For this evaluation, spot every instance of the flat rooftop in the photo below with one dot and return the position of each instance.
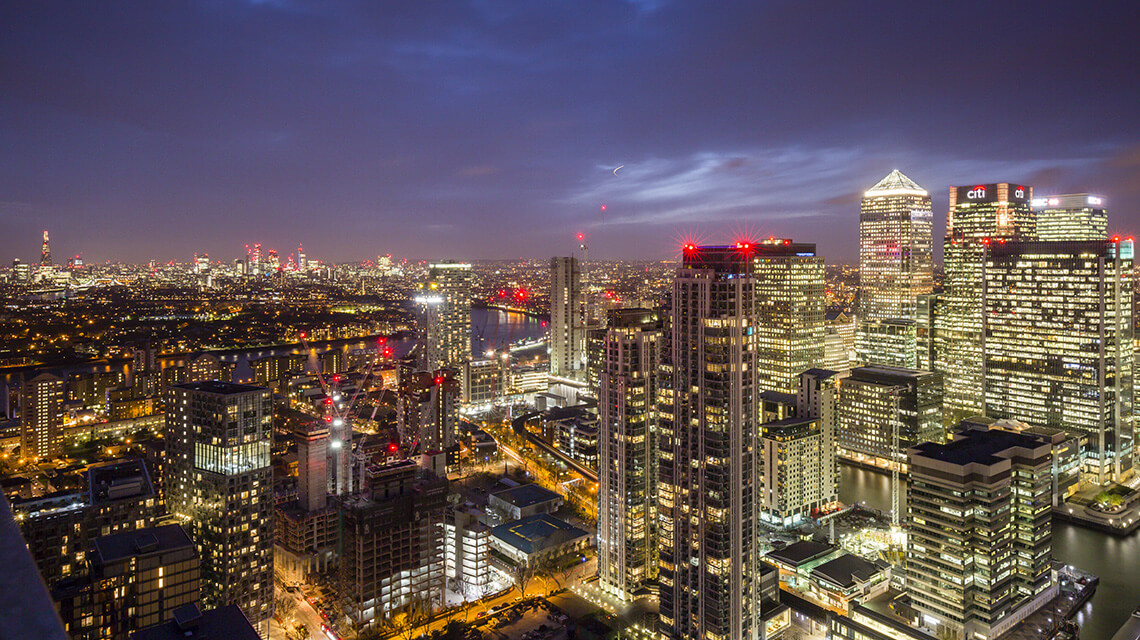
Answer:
(219, 387)
(976, 446)
(119, 546)
(847, 570)
(189, 623)
(800, 552)
(526, 495)
(537, 532)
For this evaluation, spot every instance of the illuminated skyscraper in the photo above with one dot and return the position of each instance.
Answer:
(1058, 344)
(979, 534)
(446, 301)
(790, 312)
(978, 215)
(879, 404)
(896, 248)
(567, 319)
(45, 251)
(708, 490)
(41, 416)
(219, 484)
(627, 469)
(1077, 216)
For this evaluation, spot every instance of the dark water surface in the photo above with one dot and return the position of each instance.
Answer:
(1115, 560)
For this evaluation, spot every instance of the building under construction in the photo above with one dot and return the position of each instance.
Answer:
(392, 558)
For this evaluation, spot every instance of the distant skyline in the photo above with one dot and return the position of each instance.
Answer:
(482, 130)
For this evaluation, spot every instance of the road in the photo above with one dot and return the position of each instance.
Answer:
(303, 613)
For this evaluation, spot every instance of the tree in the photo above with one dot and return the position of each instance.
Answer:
(285, 607)
(403, 621)
(522, 575)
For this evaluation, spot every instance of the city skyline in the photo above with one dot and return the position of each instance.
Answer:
(482, 132)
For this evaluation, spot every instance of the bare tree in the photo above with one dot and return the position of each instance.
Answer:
(403, 621)
(522, 575)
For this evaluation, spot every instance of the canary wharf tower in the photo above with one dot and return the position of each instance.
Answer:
(896, 248)
(896, 265)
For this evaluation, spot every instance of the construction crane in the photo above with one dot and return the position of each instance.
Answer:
(338, 412)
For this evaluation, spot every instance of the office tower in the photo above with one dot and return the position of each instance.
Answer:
(446, 301)
(979, 533)
(567, 319)
(1058, 343)
(627, 469)
(838, 341)
(302, 262)
(978, 214)
(892, 342)
(41, 417)
(896, 248)
(1071, 217)
(895, 267)
(790, 309)
(708, 486)
(219, 483)
(45, 251)
(136, 580)
(883, 411)
(392, 545)
(798, 457)
(924, 329)
(60, 527)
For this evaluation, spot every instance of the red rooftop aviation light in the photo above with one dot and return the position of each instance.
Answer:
(1116, 238)
(304, 335)
(439, 379)
(985, 240)
(688, 247)
(393, 447)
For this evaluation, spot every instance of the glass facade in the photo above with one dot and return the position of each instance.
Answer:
(896, 248)
(978, 215)
(627, 470)
(1058, 343)
(1071, 217)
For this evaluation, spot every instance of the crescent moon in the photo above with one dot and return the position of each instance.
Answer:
(616, 170)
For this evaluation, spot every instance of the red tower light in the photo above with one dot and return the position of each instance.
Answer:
(328, 400)
(439, 379)
(1116, 238)
(393, 447)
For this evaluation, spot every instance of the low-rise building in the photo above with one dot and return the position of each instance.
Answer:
(528, 541)
(525, 500)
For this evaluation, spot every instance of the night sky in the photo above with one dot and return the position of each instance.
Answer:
(491, 129)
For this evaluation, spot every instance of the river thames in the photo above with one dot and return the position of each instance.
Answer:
(1116, 560)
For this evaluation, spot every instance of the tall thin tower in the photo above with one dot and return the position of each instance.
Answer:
(627, 452)
(45, 251)
(567, 319)
(708, 484)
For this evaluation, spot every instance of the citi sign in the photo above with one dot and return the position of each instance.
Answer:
(976, 193)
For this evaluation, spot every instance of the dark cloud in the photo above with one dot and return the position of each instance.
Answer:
(482, 129)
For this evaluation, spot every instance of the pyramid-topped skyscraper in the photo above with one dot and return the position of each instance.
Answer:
(896, 264)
